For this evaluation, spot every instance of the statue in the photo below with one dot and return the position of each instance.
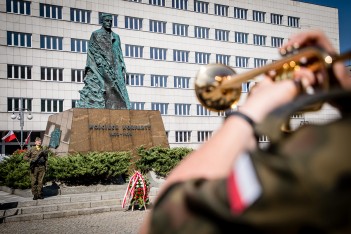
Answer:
(105, 71)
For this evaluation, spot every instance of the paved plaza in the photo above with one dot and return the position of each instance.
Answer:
(123, 222)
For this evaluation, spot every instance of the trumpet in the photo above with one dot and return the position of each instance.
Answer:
(218, 87)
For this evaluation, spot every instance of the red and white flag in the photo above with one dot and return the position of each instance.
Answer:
(10, 136)
(244, 188)
(28, 138)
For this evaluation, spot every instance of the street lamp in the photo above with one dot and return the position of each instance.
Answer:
(20, 117)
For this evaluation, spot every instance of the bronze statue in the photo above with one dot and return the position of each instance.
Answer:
(105, 71)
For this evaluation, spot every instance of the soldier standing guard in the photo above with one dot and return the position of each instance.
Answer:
(37, 157)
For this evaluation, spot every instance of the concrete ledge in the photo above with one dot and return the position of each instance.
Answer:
(29, 217)
(60, 214)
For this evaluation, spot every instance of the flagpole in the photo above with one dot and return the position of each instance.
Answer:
(18, 142)
(20, 117)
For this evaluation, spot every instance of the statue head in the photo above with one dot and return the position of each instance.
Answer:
(106, 20)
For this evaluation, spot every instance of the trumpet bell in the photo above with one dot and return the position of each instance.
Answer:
(211, 79)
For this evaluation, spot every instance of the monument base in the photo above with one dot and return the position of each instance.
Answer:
(81, 130)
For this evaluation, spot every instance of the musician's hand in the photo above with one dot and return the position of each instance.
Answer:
(319, 39)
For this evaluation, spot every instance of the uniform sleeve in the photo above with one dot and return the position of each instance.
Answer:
(197, 206)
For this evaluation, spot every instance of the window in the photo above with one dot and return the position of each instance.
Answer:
(135, 79)
(245, 86)
(201, 7)
(182, 109)
(18, 7)
(134, 0)
(297, 116)
(221, 35)
(157, 26)
(221, 113)
(258, 62)
(134, 51)
(180, 29)
(201, 32)
(293, 22)
(74, 103)
(241, 61)
(203, 135)
(221, 10)
(161, 107)
(79, 45)
(259, 16)
(263, 138)
(180, 4)
(180, 56)
(137, 105)
(181, 82)
(223, 59)
(19, 39)
(77, 75)
(114, 19)
(51, 105)
(14, 104)
(157, 2)
(259, 39)
(277, 41)
(202, 58)
(50, 11)
(159, 81)
(50, 42)
(276, 19)
(80, 15)
(51, 73)
(241, 37)
(158, 53)
(133, 23)
(19, 71)
(240, 13)
(182, 136)
(202, 111)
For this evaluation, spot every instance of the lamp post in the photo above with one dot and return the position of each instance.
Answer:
(20, 117)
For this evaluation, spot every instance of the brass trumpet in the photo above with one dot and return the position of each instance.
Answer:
(218, 87)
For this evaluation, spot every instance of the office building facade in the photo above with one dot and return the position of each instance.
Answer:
(43, 47)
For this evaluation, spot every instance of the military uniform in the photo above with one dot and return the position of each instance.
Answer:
(37, 156)
(302, 184)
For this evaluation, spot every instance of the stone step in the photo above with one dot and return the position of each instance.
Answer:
(67, 205)
(62, 213)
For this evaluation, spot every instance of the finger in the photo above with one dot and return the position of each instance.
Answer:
(307, 79)
(314, 37)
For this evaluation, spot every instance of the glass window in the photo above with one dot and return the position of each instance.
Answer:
(180, 4)
(240, 13)
(201, 6)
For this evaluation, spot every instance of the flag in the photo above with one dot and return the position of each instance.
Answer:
(244, 187)
(28, 138)
(10, 136)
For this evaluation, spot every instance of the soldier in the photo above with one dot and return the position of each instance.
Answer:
(301, 184)
(37, 156)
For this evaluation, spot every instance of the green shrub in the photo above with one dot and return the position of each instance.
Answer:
(93, 167)
(160, 160)
(90, 168)
(14, 171)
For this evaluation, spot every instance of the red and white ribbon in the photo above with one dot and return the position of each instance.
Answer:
(130, 192)
(244, 187)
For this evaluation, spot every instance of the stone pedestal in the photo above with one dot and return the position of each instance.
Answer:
(83, 130)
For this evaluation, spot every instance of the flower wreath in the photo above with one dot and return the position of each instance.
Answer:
(137, 192)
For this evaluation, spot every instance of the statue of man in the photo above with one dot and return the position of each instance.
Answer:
(105, 71)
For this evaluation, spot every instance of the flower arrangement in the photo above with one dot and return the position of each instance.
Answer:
(137, 192)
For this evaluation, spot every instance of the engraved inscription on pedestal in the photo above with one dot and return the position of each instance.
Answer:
(88, 129)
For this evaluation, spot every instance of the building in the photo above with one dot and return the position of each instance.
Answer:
(43, 55)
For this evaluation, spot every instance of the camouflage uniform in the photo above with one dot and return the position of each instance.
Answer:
(37, 171)
(306, 188)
